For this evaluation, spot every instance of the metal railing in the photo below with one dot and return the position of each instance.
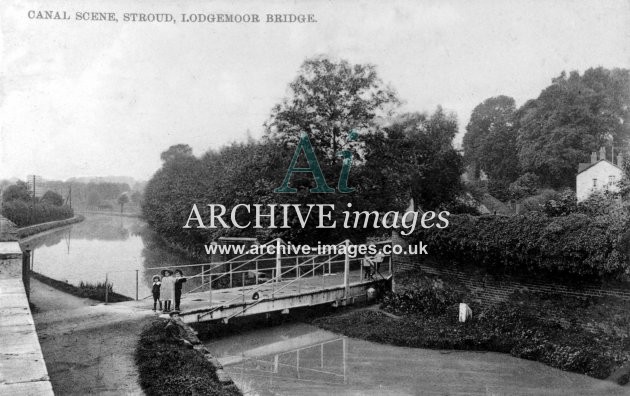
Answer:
(271, 270)
(275, 279)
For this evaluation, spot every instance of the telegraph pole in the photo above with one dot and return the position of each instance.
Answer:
(33, 206)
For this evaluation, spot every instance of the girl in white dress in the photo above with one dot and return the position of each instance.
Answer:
(167, 291)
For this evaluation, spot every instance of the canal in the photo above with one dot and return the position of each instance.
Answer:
(295, 358)
(105, 246)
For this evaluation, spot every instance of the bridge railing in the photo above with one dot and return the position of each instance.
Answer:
(297, 281)
(251, 271)
(278, 277)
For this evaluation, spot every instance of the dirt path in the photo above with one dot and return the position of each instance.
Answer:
(88, 346)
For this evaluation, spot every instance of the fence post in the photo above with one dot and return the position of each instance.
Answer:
(361, 269)
(230, 275)
(210, 297)
(136, 285)
(106, 288)
(256, 271)
(346, 272)
(278, 263)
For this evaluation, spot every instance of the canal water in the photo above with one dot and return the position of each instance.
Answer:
(105, 246)
(296, 358)
(300, 359)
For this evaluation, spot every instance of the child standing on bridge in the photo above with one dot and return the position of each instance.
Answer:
(156, 291)
(179, 280)
(167, 290)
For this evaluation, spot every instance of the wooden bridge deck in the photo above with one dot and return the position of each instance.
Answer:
(222, 304)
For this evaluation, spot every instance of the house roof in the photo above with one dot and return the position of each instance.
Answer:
(587, 165)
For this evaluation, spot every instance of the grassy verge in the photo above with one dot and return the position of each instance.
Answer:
(37, 228)
(583, 335)
(84, 290)
(168, 365)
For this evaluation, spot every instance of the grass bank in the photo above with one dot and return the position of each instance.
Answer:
(37, 228)
(587, 335)
(169, 364)
(84, 290)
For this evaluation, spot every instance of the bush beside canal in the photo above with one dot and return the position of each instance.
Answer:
(169, 365)
(578, 334)
(84, 290)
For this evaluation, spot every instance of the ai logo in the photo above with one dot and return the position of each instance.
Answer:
(313, 167)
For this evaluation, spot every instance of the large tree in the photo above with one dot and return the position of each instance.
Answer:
(572, 117)
(412, 157)
(327, 99)
(490, 139)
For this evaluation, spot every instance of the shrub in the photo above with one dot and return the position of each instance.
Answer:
(563, 204)
(19, 212)
(500, 189)
(575, 244)
(525, 186)
(168, 367)
(426, 294)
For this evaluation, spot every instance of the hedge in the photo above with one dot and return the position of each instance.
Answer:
(575, 244)
(19, 212)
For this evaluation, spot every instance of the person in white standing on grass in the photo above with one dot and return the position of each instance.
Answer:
(167, 291)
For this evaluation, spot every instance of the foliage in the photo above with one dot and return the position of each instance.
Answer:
(490, 139)
(413, 157)
(17, 192)
(535, 203)
(624, 183)
(84, 290)
(167, 366)
(52, 198)
(598, 203)
(563, 204)
(575, 115)
(122, 200)
(574, 245)
(525, 186)
(327, 99)
(550, 135)
(20, 213)
(426, 294)
(500, 189)
(409, 156)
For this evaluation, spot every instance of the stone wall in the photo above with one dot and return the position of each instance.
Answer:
(22, 368)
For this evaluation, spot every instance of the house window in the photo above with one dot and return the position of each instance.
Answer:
(594, 183)
(611, 180)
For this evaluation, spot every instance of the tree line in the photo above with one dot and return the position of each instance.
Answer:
(342, 107)
(19, 206)
(541, 143)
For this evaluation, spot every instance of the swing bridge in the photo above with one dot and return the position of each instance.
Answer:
(252, 285)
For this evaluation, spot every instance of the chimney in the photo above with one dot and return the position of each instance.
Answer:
(593, 157)
(620, 160)
(602, 153)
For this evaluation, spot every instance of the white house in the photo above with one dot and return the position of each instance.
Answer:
(598, 175)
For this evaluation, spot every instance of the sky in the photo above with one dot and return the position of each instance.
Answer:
(96, 98)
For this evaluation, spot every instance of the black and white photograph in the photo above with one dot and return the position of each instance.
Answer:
(314, 197)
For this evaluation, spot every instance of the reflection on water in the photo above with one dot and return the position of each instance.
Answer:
(299, 359)
(103, 244)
